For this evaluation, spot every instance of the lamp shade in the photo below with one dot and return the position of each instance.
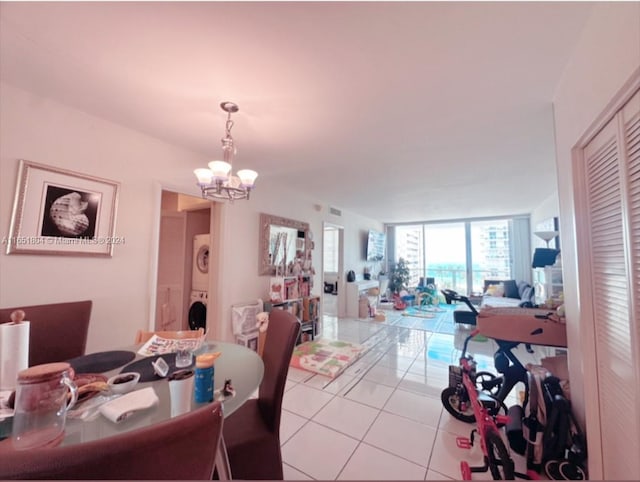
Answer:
(546, 235)
(204, 176)
(220, 169)
(247, 177)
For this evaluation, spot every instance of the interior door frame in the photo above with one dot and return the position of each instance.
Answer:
(341, 298)
(215, 226)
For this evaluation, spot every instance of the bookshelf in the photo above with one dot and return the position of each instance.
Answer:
(293, 294)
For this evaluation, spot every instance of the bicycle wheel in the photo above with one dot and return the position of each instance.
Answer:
(571, 471)
(451, 400)
(500, 462)
(485, 381)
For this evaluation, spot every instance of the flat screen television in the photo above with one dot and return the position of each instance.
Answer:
(376, 242)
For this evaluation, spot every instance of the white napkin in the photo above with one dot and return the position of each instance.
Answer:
(122, 407)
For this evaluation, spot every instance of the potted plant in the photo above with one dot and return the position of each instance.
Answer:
(399, 276)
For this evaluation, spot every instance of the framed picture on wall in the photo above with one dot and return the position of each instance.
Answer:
(61, 212)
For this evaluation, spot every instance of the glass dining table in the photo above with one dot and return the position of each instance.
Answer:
(241, 365)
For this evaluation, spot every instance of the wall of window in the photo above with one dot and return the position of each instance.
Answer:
(460, 255)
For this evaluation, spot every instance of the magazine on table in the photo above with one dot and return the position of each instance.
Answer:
(158, 345)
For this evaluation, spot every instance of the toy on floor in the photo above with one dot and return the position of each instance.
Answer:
(380, 316)
(398, 302)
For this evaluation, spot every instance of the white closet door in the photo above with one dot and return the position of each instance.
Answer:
(612, 179)
(631, 119)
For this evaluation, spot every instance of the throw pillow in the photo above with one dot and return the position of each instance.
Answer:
(511, 289)
(495, 290)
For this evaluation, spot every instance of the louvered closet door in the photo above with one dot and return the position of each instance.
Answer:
(631, 116)
(612, 179)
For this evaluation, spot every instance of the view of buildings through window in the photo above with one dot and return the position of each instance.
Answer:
(459, 255)
(330, 243)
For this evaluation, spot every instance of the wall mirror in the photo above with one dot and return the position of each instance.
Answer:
(282, 241)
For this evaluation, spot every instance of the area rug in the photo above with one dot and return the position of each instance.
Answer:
(326, 357)
(419, 312)
(438, 319)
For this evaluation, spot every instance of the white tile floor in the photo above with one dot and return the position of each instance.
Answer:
(382, 419)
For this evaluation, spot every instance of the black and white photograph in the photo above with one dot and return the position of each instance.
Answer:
(62, 212)
(70, 213)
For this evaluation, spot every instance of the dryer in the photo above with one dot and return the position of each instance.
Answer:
(198, 310)
(200, 268)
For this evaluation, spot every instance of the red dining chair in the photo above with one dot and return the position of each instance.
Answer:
(252, 433)
(57, 331)
(181, 448)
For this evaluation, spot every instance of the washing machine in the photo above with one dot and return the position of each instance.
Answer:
(198, 310)
(200, 268)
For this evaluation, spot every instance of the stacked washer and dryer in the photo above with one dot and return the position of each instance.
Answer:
(199, 282)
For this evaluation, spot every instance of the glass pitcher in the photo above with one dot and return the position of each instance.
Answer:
(44, 393)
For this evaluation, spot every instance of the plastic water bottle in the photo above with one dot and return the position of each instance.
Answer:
(203, 384)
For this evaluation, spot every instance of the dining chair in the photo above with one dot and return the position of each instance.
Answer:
(57, 331)
(181, 448)
(252, 433)
(144, 336)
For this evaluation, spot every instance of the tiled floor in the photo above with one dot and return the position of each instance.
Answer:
(382, 419)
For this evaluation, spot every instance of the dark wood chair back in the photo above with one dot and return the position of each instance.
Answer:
(57, 331)
(282, 334)
(182, 448)
(252, 432)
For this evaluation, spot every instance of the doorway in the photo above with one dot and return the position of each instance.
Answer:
(182, 288)
(332, 269)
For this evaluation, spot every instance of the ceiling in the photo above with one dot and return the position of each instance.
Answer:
(396, 111)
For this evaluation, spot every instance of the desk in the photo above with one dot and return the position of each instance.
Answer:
(242, 365)
(354, 290)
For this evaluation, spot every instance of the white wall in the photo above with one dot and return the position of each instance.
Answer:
(549, 208)
(41, 130)
(604, 59)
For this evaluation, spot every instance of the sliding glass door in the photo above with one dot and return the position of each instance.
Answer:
(409, 242)
(446, 255)
(490, 252)
(458, 255)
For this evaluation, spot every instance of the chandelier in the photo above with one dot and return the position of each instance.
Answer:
(218, 181)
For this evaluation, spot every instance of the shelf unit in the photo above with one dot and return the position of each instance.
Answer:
(292, 293)
(283, 288)
(548, 284)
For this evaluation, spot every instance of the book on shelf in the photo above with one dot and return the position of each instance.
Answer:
(291, 288)
(310, 308)
(305, 286)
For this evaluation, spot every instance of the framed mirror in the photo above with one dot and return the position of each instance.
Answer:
(282, 241)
